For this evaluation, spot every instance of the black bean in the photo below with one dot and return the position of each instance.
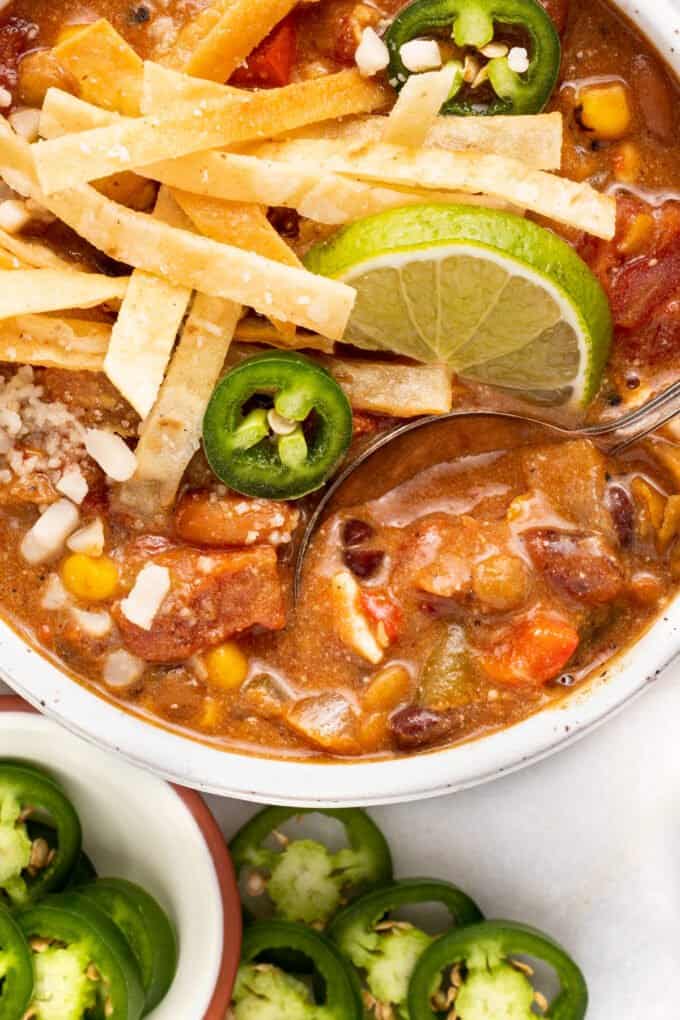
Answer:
(139, 14)
(355, 531)
(363, 562)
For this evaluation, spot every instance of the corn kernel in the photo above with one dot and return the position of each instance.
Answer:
(227, 666)
(637, 235)
(90, 578)
(626, 161)
(605, 110)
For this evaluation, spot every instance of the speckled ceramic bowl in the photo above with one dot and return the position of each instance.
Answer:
(259, 779)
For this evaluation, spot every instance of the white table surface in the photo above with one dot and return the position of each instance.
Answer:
(585, 845)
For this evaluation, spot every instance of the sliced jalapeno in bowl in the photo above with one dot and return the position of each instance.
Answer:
(265, 991)
(31, 867)
(511, 83)
(146, 928)
(277, 426)
(16, 969)
(81, 960)
(304, 880)
(387, 950)
(475, 972)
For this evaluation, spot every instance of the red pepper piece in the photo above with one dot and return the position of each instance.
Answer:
(271, 63)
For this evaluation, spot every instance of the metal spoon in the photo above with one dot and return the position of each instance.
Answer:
(612, 437)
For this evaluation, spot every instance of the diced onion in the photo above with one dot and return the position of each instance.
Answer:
(421, 55)
(88, 540)
(47, 536)
(95, 624)
(372, 54)
(73, 484)
(112, 453)
(147, 595)
(121, 669)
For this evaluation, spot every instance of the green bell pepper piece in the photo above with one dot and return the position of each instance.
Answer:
(313, 419)
(387, 952)
(488, 985)
(306, 881)
(264, 991)
(473, 23)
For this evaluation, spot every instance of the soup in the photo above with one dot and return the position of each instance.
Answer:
(468, 576)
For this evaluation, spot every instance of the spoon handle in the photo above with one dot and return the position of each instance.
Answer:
(641, 422)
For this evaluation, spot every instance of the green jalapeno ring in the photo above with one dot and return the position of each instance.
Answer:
(278, 939)
(488, 944)
(365, 862)
(23, 789)
(146, 928)
(16, 969)
(314, 434)
(387, 957)
(84, 936)
(471, 22)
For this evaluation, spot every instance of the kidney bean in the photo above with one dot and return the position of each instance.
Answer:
(620, 506)
(363, 563)
(355, 531)
(414, 727)
(576, 563)
(655, 97)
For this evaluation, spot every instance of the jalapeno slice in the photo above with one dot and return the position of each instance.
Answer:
(470, 26)
(277, 426)
(304, 880)
(473, 967)
(147, 929)
(81, 959)
(265, 991)
(16, 969)
(385, 950)
(31, 867)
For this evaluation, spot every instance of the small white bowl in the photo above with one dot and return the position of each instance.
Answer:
(139, 827)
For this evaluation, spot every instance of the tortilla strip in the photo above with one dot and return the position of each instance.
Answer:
(72, 344)
(243, 224)
(172, 433)
(109, 72)
(384, 387)
(306, 299)
(128, 144)
(215, 42)
(145, 331)
(257, 331)
(576, 204)
(417, 106)
(326, 198)
(28, 291)
(537, 138)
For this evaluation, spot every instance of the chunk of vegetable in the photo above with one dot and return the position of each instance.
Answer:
(533, 652)
(606, 110)
(577, 564)
(227, 666)
(446, 680)
(90, 578)
(501, 582)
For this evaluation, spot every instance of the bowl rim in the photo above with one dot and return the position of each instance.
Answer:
(277, 780)
(224, 873)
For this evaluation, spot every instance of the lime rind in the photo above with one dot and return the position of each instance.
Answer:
(403, 255)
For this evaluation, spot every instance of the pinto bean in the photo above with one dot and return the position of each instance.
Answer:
(576, 563)
(203, 518)
(414, 727)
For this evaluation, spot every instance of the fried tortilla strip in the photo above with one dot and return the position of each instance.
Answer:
(182, 128)
(536, 139)
(185, 259)
(73, 344)
(215, 42)
(172, 433)
(109, 72)
(576, 204)
(257, 331)
(327, 198)
(384, 387)
(145, 331)
(417, 106)
(28, 291)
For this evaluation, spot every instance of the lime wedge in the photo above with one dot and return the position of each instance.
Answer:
(494, 296)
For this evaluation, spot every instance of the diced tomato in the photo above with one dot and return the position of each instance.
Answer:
(271, 64)
(535, 651)
(381, 608)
